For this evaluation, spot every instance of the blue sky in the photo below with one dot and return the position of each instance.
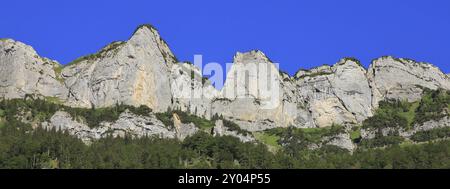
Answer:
(297, 34)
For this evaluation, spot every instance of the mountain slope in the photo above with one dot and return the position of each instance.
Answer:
(133, 72)
(143, 72)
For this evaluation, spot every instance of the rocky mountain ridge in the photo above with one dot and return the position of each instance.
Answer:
(144, 71)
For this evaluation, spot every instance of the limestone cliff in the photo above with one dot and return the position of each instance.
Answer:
(134, 72)
(144, 71)
(393, 78)
(241, 99)
(338, 94)
(23, 72)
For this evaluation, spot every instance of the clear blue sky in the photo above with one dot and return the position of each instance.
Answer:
(296, 34)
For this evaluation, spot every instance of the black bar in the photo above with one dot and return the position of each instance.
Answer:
(319, 178)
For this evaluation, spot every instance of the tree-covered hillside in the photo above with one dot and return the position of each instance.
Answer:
(22, 146)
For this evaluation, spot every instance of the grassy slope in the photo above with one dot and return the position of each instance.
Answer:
(410, 115)
(355, 134)
(268, 139)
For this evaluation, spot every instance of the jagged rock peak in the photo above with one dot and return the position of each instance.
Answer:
(135, 72)
(349, 60)
(28, 50)
(254, 56)
(145, 37)
(145, 26)
(408, 65)
(396, 78)
(348, 65)
(317, 71)
(253, 60)
(23, 72)
(386, 60)
(327, 69)
(146, 34)
(11, 45)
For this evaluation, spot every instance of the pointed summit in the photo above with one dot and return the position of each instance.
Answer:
(23, 72)
(350, 60)
(148, 37)
(145, 26)
(11, 45)
(251, 60)
(144, 33)
(254, 56)
(136, 74)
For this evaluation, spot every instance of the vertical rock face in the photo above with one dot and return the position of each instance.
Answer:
(393, 78)
(315, 90)
(191, 92)
(133, 72)
(143, 71)
(351, 87)
(23, 71)
(252, 95)
(338, 94)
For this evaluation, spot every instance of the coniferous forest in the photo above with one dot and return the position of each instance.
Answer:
(22, 146)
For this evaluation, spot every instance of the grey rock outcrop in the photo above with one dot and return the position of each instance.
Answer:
(370, 133)
(242, 99)
(352, 88)
(221, 130)
(63, 121)
(191, 92)
(133, 72)
(183, 130)
(393, 78)
(144, 71)
(338, 94)
(341, 140)
(140, 71)
(128, 124)
(429, 125)
(23, 72)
